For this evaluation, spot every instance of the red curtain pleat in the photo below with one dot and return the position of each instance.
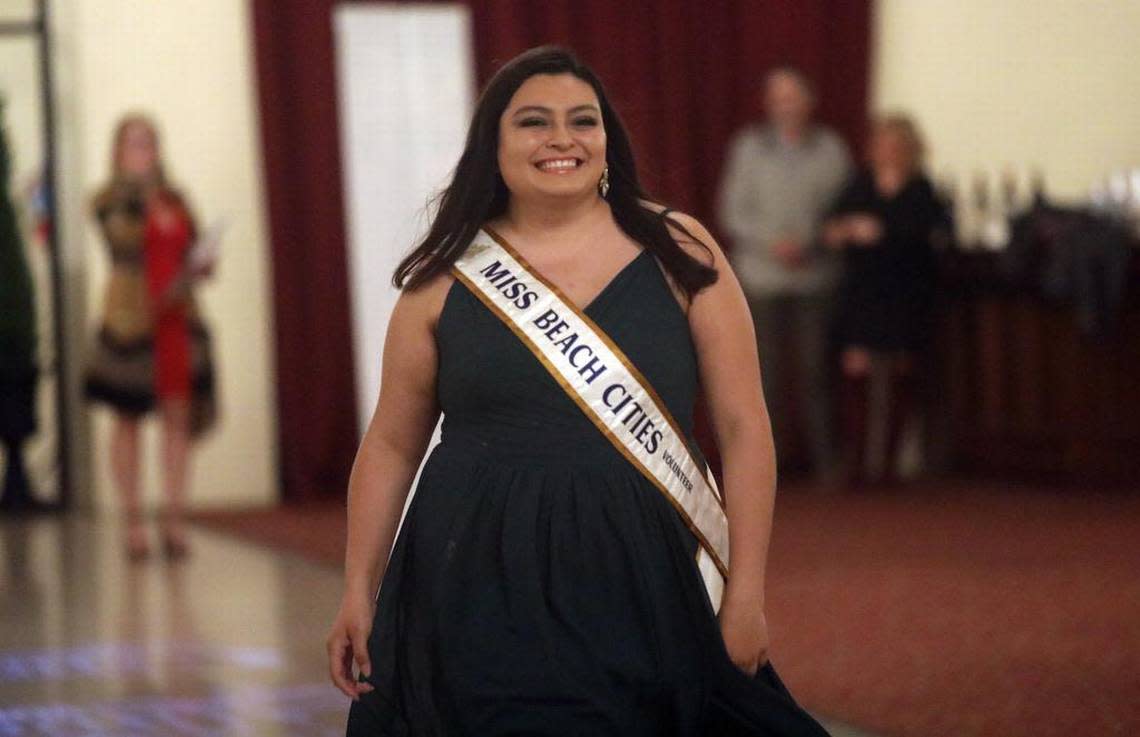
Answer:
(683, 75)
(316, 407)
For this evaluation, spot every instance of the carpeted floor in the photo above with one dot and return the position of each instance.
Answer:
(938, 610)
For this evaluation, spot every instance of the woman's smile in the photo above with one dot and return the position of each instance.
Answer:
(562, 165)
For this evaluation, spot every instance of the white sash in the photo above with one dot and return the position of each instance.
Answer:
(602, 381)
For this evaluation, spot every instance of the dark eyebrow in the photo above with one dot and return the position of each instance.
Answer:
(548, 111)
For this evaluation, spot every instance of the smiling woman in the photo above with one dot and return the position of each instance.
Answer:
(562, 566)
(515, 127)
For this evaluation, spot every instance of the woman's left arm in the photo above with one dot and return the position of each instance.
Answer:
(725, 341)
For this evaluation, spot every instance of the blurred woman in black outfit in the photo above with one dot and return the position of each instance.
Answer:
(883, 223)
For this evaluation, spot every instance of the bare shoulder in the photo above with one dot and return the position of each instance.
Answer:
(421, 306)
(698, 242)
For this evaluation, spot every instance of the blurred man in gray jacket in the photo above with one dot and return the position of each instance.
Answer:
(779, 180)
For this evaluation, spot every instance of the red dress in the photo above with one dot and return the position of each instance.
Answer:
(165, 248)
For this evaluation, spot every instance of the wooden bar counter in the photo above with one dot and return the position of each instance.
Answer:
(1019, 391)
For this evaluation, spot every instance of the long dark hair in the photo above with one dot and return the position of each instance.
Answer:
(477, 193)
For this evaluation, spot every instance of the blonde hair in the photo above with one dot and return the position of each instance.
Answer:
(903, 126)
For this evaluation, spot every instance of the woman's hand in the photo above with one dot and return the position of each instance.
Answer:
(835, 233)
(744, 628)
(348, 643)
(176, 295)
(203, 270)
(865, 230)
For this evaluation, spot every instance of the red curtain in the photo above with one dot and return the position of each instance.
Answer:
(683, 75)
(316, 405)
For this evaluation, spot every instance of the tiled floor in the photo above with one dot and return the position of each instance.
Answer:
(226, 643)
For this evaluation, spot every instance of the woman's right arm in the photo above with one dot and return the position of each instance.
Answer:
(385, 466)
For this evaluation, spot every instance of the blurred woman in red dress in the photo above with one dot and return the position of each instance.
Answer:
(152, 348)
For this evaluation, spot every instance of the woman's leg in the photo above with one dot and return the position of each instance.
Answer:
(125, 469)
(900, 392)
(175, 451)
(856, 365)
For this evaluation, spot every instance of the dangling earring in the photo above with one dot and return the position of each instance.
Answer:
(604, 183)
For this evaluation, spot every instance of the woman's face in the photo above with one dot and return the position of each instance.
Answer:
(890, 149)
(138, 152)
(551, 138)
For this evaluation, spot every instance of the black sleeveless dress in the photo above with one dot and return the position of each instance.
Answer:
(540, 585)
